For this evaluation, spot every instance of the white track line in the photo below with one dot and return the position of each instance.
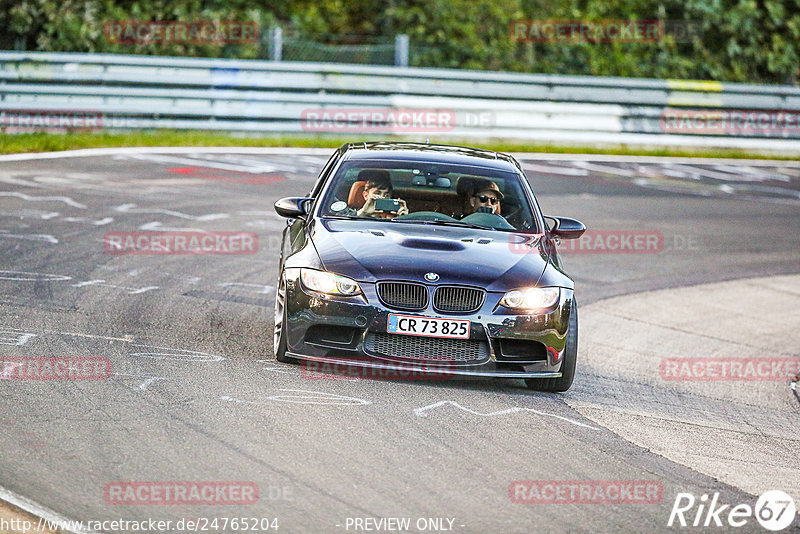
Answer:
(295, 151)
(36, 509)
(124, 151)
(420, 412)
(538, 156)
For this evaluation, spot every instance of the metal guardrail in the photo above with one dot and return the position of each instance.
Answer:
(263, 96)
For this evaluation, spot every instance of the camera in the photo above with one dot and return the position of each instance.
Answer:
(387, 204)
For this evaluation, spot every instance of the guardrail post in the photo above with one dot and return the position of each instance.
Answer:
(276, 37)
(401, 50)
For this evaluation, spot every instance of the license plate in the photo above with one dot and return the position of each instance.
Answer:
(415, 325)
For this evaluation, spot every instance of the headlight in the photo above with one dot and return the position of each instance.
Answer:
(532, 298)
(329, 283)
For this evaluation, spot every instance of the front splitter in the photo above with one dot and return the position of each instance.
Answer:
(425, 370)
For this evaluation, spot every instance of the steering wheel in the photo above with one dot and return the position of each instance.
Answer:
(489, 220)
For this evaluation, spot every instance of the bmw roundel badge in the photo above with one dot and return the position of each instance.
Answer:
(431, 277)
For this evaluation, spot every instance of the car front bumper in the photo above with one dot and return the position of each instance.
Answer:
(341, 332)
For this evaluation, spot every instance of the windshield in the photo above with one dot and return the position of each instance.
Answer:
(428, 193)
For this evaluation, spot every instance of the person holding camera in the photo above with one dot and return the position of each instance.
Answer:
(378, 188)
(371, 196)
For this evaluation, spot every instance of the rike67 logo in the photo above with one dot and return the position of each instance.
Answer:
(774, 510)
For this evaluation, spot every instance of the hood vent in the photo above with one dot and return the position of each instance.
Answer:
(431, 244)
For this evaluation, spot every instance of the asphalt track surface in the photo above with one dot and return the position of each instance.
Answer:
(196, 395)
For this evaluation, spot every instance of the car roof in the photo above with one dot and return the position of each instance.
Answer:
(454, 155)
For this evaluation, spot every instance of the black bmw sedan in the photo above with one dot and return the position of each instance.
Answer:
(429, 259)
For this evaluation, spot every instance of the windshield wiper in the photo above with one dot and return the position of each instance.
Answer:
(441, 222)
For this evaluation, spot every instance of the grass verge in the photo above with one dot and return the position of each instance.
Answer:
(52, 142)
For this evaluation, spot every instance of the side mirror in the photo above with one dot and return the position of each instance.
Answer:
(292, 207)
(566, 228)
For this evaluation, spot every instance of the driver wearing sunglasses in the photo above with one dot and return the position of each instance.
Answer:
(486, 197)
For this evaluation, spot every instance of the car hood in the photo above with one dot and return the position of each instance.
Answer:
(369, 251)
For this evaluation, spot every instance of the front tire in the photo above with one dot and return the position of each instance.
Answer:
(563, 383)
(279, 332)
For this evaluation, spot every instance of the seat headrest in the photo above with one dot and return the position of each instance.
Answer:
(356, 197)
